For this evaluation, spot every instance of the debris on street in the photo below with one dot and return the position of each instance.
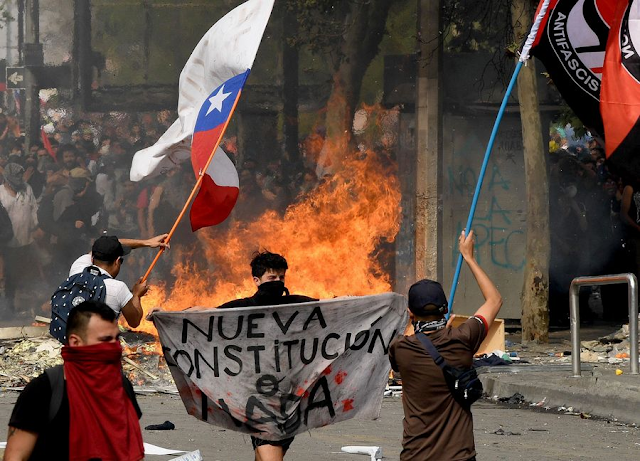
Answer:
(21, 360)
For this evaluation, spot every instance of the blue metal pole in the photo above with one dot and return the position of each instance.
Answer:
(483, 170)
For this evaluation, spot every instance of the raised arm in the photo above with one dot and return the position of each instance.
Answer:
(153, 242)
(492, 298)
(133, 311)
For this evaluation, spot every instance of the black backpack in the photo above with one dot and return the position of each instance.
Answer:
(6, 228)
(465, 386)
(88, 285)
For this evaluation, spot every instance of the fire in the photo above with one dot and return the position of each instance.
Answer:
(331, 238)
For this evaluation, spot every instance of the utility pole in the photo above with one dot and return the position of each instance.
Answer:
(21, 32)
(82, 66)
(33, 57)
(428, 218)
(290, 88)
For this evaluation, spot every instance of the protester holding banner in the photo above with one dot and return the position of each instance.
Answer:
(268, 271)
(274, 371)
(89, 411)
(436, 425)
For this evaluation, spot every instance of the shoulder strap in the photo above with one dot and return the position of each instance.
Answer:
(95, 270)
(131, 393)
(431, 349)
(56, 381)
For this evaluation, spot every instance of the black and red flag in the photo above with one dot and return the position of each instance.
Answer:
(571, 42)
(620, 94)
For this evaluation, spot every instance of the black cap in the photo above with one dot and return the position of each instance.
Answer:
(425, 293)
(108, 248)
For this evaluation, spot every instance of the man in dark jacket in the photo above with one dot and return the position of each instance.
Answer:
(268, 271)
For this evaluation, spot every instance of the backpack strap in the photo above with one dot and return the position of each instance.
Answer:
(56, 381)
(431, 350)
(95, 270)
(128, 389)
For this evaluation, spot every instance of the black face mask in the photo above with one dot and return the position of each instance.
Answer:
(275, 288)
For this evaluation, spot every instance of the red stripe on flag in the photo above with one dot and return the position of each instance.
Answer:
(543, 23)
(202, 146)
(213, 204)
(47, 144)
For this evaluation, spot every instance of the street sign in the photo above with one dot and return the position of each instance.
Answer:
(15, 77)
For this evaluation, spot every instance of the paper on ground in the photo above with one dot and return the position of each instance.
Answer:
(155, 450)
(191, 456)
(374, 452)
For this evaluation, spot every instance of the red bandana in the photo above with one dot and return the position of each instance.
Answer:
(102, 420)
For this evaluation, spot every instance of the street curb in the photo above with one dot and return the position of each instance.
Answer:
(594, 395)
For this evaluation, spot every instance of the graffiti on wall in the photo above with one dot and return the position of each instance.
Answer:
(499, 234)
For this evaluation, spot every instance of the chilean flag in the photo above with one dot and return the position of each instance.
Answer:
(220, 185)
(223, 54)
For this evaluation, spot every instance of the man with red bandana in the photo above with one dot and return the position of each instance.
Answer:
(97, 417)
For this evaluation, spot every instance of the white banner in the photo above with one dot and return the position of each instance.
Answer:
(277, 371)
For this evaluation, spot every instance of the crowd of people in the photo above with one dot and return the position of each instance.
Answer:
(73, 186)
(593, 226)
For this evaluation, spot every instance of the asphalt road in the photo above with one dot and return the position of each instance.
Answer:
(502, 433)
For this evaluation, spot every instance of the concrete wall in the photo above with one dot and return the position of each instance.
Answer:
(499, 221)
(56, 32)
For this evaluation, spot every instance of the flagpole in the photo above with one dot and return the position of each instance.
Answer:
(524, 55)
(194, 190)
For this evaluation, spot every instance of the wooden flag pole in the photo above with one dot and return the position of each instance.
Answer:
(194, 190)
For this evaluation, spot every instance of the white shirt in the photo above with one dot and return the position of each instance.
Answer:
(23, 212)
(118, 294)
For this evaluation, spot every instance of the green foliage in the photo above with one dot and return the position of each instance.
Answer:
(567, 116)
(400, 40)
(321, 24)
(481, 26)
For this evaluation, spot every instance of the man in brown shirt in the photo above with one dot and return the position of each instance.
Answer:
(436, 426)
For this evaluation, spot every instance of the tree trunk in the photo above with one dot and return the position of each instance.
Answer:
(290, 88)
(364, 25)
(535, 290)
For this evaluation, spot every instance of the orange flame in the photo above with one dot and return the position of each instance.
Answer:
(331, 238)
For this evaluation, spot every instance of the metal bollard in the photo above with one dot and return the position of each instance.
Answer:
(574, 310)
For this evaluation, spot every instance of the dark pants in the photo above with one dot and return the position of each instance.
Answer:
(285, 444)
(20, 271)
